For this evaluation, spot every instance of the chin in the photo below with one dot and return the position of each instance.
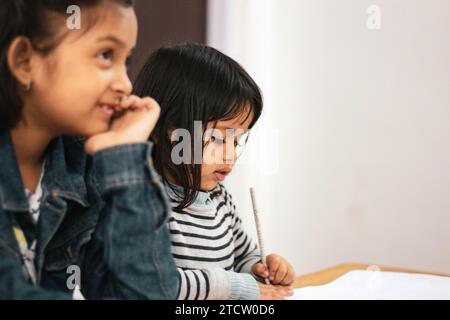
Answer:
(94, 129)
(209, 186)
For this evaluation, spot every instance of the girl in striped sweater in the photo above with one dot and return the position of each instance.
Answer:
(208, 105)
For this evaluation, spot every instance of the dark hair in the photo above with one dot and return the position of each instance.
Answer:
(193, 82)
(34, 20)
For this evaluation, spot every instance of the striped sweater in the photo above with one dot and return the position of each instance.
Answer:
(213, 253)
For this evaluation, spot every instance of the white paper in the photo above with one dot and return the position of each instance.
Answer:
(376, 285)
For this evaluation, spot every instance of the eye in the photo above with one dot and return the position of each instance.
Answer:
(242, 140)
(106, 54)
(217, 140)
(128, 62)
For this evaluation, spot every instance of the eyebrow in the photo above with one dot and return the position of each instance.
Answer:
(113, 39)
(226, 128)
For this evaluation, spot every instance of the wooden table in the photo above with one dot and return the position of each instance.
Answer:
(328, 275)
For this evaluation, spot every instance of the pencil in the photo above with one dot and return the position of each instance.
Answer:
(258, 230)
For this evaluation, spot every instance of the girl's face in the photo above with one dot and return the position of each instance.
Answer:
(76, 86)
(221, 149)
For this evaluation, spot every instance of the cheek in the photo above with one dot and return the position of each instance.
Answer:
(68, 87)
(105, 76)
(75, 80)
(68, 100)
(207, 170)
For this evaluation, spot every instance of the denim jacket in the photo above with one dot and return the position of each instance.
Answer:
(106, 215)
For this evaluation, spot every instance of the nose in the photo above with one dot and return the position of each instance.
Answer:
(122, 83)
(230, 154)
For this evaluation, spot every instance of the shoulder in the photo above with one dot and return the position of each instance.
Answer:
(225, 197)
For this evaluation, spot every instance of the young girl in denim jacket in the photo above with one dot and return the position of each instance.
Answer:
(208, 105)
(87, 212)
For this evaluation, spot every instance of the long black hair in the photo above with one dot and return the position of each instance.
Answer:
(38, 21)
(193, 82)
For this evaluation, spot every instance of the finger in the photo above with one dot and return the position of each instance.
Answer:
(152, 109)
(290, 293)
(260, 270)
(273, 262)
(281, 273)
(148, 104)
(129, 101)
(289, 278)
(118, 106)
(288, 289)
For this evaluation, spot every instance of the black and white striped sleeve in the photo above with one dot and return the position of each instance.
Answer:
(216, 284)
(246, 250)
(206, 284)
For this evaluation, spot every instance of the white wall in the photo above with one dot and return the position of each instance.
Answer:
(351, 159)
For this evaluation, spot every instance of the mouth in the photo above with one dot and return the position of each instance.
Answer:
(222, 174)
(107, 109)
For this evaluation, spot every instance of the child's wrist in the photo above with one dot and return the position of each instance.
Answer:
(243, 286)
(124, 165)
(93, 145)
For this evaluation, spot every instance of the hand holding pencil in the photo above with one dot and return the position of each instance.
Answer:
(277, 272)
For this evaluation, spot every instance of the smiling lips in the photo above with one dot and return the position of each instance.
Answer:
(108, 109)
(222, 173)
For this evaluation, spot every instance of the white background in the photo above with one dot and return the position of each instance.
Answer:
(351, 160)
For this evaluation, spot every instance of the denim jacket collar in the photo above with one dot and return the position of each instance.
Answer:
(63, 174)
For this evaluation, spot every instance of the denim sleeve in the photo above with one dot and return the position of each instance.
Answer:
(129, 256)
(15, 286)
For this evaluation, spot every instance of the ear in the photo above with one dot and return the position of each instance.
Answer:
(19, 60)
